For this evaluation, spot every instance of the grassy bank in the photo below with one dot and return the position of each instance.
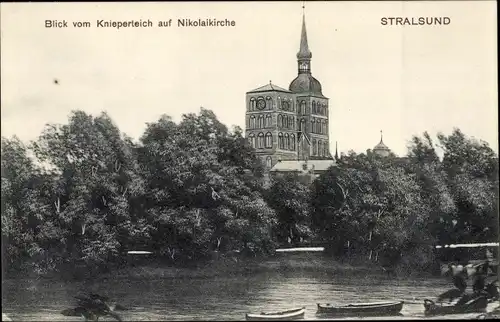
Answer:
(282, 263)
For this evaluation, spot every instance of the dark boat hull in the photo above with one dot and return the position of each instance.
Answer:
(477, 305)
(293, 314)
(362, 309)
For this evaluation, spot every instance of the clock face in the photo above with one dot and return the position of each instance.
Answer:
(261, 104)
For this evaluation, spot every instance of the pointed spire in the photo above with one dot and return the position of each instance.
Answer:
(304, 51)
(336, 151)
(381, 137)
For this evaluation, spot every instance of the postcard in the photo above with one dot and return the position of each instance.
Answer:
(249, 160)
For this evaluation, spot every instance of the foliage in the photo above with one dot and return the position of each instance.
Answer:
(290, 198)
(84, 193)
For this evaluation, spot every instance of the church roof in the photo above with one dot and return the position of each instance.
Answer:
(306, 83)
(269, 88)
(295, 165)
(381, 145)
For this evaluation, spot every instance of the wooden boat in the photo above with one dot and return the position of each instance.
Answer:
(478, 304)
(293, 314)
(362, 309)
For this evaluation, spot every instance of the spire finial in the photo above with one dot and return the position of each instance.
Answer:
(336, 151)
(381, 135)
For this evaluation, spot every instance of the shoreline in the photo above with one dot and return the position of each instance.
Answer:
(153, 268)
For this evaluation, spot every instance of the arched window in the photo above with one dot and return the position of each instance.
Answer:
(292, 106)
(260, 141)
(269, 140)
(287, 141)
(292, 142)
(279, 103)
(280, 141)
(286, 104)
(325, 148)
(313, 126)
(251, 139)
(314, 107)
(303, 125)
(326, 110)
(324, 127)
(252, 104)
(252, 122)
(320, 148)
(269, 162)
(269, 120)
(280, 120)
(261, 121)
(302, 109)
(315, 147)
(291, 122)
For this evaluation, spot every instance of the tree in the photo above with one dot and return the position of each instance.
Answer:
(290, 198)
(25, 210)
(203, 187)
(96, 184)
(472, 170)
(372, 203)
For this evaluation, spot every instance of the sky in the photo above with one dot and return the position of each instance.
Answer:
(403, 80)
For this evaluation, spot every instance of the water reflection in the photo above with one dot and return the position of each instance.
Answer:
(218, 298)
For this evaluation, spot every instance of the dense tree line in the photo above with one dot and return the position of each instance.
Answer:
(83, 194)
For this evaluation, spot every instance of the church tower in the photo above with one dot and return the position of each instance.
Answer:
(289, 124)
(312, 106)
(270, 123)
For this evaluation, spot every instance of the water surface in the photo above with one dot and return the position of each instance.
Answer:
(219, 298)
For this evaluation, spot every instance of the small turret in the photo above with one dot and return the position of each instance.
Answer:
(381, 149)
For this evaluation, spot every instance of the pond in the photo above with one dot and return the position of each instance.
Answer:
(219, 298)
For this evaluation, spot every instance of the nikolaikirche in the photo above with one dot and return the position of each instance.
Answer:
(290, 124)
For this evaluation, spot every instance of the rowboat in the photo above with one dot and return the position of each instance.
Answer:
(362, 309)
(293, 314)
(478, 304)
